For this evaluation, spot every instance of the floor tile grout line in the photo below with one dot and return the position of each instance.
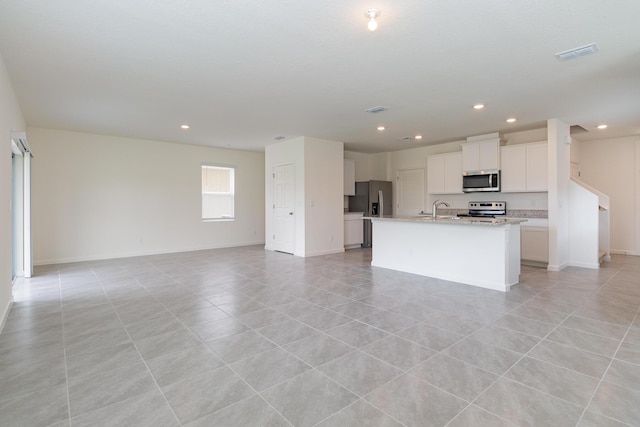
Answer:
(155, 382)
(613, 358)
(533, 388)
(226, 364)
(64, 352)
(503, 376)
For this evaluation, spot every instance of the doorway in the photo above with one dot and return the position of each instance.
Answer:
(20, 206)
(410, 185)
(284, 208)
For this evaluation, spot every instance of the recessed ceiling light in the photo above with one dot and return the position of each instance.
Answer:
(381, 128)
(418, 137)
(511, 120)
(478, 106)
(602, 126)
(184, 127)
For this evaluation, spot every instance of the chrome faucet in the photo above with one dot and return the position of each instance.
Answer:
(434, 208)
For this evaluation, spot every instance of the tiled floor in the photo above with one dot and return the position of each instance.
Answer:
(244, 337)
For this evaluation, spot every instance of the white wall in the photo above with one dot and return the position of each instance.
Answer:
(10, 120)
(98, 197)
(611, 166)
(319, 219)
(324, 219)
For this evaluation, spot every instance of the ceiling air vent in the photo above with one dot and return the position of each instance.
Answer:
(576, 52)
(576, 129)
(378, 109)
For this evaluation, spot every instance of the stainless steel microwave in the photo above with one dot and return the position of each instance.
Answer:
(488, 180)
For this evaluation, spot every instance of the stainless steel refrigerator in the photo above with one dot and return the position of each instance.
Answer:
(372, 198)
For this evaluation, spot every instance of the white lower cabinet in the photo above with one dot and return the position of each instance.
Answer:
(353, 230)
(534, 245)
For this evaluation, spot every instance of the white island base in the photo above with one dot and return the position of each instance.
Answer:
(475, 253)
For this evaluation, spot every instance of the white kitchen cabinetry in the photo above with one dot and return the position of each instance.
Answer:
(481, 155)
(537, 162)
(534, 244)
(444, 173)
(524, 168)
(349, 177)
(353, 230)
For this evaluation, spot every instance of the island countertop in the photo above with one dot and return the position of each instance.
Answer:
(466, 220)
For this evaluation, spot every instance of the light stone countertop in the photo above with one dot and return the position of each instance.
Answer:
(446, 219)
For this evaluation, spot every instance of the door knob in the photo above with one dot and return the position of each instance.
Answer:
(290, 213)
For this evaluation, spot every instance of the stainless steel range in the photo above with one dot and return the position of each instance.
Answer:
(487, 209)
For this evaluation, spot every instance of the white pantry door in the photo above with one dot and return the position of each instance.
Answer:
(410, 185)
(283, 208)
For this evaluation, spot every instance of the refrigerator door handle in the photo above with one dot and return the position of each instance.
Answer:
(381, 200)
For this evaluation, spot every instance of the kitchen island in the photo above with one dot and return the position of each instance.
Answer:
(475, 251)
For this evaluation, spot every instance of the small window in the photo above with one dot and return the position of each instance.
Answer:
(217, 192)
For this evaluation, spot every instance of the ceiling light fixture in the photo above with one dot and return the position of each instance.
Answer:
(381, 128)
(602, 126)
(184, 127)
(418, 137)
(372, 14)
(511, 120)
(478, 106)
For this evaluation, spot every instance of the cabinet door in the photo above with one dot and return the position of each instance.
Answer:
(349, 177)
(471, 157)
(537, 167)
(481, 155)
(453, 173)
(435, 174)
(534, 244)
(353, 232)
(489, 155)
(513, 164)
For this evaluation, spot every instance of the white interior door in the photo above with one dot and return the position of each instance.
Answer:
(410, 185)
(283, 208)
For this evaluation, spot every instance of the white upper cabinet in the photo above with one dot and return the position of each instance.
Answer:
(537, 179)
(513, 172)
(444, 173)
(349, 177)
(481, 155)
(524, 167)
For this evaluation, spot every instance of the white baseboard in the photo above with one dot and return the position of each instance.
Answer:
(5, 314)
(327, 252)
(593, 266)
(553, 267)
(623, 252)
(141, 253)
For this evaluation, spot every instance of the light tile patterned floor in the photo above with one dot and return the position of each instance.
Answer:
(244, 337)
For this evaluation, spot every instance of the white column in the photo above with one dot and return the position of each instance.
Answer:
(559, 141)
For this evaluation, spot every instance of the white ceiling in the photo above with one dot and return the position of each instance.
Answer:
(241, 72)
